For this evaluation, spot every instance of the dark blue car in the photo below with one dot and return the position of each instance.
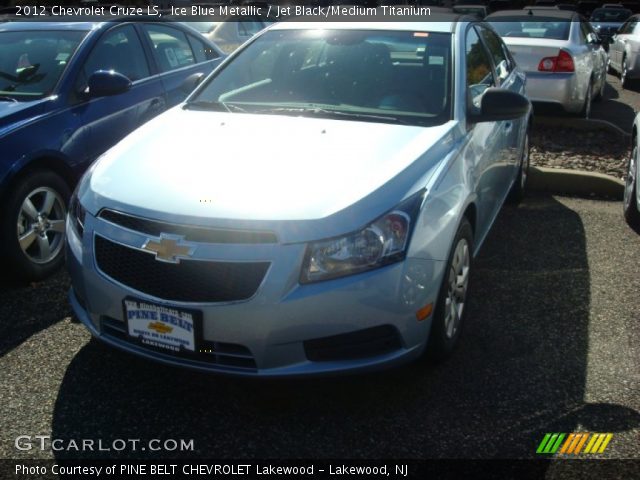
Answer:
(68, 92)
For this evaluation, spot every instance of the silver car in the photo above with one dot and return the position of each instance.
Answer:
(623, 51)
(631, 201)
(313, 207)
(562, 57)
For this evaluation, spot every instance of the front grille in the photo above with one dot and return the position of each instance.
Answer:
(213, 353)
(191, 233)
(369, 342)
(187, 281)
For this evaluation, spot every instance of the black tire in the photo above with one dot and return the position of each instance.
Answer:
(442, 341)
(629, 205)
(519, 188)
(36, 185)
(588, 98)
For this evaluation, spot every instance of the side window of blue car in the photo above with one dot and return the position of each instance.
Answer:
(120, 50)
(479, 69)
(171, 48)
(201, 50)
(500, 60)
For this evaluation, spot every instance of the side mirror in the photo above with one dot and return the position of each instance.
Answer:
(497, 105)
(191, 82)
(105, 83)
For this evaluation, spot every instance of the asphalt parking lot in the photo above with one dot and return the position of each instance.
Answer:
(551, 345)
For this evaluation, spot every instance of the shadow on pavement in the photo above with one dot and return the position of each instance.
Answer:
(27, 309)
(519, 373)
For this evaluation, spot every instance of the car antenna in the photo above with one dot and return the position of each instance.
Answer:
(530, 12)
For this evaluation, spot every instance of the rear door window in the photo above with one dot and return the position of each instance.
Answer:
(171, 48)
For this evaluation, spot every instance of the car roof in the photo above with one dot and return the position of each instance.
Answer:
(440, 22)
(75, 24)
(22, 26)
(536, 12)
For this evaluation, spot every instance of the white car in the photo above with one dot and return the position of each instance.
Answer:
(560, 53)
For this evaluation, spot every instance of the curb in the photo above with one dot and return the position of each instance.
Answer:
(575, 182)
(581, 124)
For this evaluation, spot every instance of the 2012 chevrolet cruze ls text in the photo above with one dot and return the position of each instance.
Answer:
(313, 207)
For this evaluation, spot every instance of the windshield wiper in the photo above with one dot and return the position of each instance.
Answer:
(316, 111)
(4, 98)
(214, 106)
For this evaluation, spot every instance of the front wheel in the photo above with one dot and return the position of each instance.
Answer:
(625, 81)
(33, 225)
(452, 300)
(630, 203)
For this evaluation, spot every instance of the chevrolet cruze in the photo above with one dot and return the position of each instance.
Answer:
(313, 207)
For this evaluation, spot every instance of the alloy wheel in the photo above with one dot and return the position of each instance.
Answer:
(525, 162)
(457, 288)
(630, 179)
(41, 225)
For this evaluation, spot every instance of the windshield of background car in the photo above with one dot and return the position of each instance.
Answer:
(31, 62)
(610, 15)
(384, 76)
(536, 27)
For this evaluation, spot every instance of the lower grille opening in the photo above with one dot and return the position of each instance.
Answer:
(212, 353)
(369, 342)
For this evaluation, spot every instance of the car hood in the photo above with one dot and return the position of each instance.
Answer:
(14, 114)
(236, 169)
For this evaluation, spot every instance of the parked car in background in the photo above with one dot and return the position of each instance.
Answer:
(623, 51)
(229, 35)
(631, 202)
(607, 21)
(572, 7)
(358, 168)
(562, 56)
(479, 11)
(586, 7)
(68, 92)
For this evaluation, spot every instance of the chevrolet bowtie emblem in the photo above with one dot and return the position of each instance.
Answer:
(169, 248)
(160, 327)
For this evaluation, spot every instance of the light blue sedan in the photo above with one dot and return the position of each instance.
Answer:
(313, 207)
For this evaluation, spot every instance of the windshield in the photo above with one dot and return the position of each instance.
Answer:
(610, 15)
(32, 61)
(381, 76)
(526, 27)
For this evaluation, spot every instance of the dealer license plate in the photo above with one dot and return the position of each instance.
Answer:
(157, 326)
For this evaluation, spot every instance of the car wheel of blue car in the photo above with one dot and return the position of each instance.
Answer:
(33, 225)
(452, 299)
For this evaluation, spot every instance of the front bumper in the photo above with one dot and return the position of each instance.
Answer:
(274, 328)
(556, 88)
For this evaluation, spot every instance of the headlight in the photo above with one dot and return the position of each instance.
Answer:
(77, 213)
(380, 243)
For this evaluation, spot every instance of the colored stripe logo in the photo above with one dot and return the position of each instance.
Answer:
(574, 443)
